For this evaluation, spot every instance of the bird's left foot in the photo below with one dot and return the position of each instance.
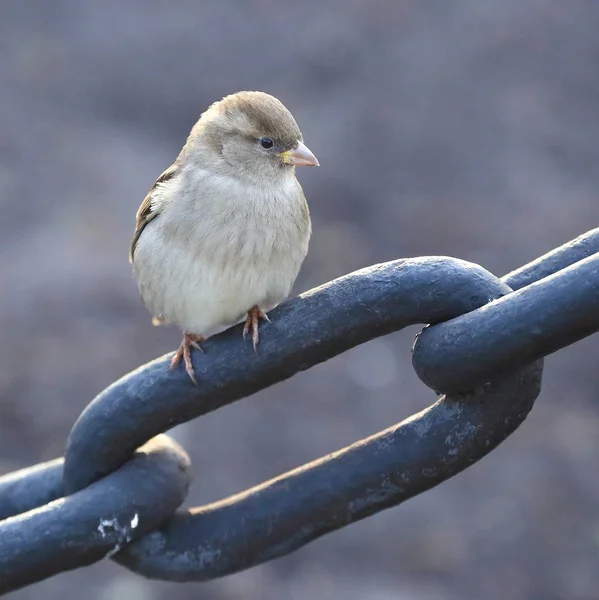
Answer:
(254, 315)
(189, 340)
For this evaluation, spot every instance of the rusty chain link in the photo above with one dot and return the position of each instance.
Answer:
(117, 494)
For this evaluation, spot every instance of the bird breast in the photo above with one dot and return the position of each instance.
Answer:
(219, 247)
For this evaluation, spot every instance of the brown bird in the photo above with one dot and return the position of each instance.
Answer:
(223, 232)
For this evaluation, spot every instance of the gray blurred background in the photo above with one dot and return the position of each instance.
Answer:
(467, 128)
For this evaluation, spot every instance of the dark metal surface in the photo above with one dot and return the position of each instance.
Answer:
(83, 528)
(282, 515)
(582, 247)
(304, 332)
(482, 349)
(528, 324)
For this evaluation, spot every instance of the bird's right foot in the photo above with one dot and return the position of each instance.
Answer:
(184, 352)
(254, 315)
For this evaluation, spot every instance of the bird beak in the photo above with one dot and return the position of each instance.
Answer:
(300, 157)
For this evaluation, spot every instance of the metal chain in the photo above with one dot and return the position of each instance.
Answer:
(116, 494)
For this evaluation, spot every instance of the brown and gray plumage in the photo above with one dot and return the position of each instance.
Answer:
(223, 232)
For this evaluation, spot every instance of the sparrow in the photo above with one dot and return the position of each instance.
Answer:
(222, 234)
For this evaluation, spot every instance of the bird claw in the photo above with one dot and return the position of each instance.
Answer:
(254, 315)
(197, 346)
(184, 352)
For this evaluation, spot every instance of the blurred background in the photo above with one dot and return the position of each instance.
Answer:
(467, 128)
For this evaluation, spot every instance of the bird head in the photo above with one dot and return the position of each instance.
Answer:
(252, 135)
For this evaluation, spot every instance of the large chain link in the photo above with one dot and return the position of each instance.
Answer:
(117, 491)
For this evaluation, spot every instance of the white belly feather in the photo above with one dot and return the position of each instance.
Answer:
(219, 254)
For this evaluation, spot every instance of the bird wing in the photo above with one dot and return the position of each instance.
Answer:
(146, 211)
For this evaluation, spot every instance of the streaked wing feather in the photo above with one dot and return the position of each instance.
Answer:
(145, 213)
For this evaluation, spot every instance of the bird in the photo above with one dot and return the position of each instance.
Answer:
(222, 234)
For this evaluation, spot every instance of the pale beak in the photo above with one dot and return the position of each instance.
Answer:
(300, 157)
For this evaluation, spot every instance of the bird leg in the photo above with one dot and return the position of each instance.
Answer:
(184, 352)
(254, 315)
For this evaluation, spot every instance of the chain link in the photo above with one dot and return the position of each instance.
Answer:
(118, 490)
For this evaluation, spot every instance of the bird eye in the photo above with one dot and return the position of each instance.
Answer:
(266, 142)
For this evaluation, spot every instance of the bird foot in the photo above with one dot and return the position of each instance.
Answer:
(254, 315)
(184, 352)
